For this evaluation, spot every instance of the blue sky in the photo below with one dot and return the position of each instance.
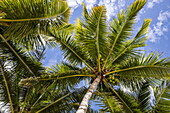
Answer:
(157, 10)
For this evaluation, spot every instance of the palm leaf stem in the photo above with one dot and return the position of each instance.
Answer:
(104, 80)
(32, 19)
(41, 96)
(46, 89)
(113, 45)
(17, 55)
(54, 78)
(23, 107)
(97, 40)
(7, 88)
(136, 67)
(68, 77)
(54, 102)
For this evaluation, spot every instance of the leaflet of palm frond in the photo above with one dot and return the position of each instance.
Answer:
(144, 97)
(132, 46)
(38, 54)
(19, 60)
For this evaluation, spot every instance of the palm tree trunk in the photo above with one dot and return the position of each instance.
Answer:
(84, 103)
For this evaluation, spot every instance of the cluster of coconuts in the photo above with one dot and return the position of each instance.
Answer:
(85, 70)
(112, 80)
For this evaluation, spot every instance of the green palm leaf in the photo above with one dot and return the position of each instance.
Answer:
(149, 66)
(91, 32)
(110, 104)
(21, 60)
(121, 30)
(28, 19)
(72, 52)
(130, 46)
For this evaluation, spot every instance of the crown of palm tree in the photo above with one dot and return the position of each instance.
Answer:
(107, 54)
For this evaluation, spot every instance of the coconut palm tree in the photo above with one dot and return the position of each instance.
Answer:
(22, 26)
(108, 53)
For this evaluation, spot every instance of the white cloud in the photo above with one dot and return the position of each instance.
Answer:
(90, 3)
(151, 3)
(160, 27)
(152, 36)
(72, 3)
(141, 12)
(112, 6)
(163, 16)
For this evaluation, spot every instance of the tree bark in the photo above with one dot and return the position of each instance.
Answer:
(84, 103)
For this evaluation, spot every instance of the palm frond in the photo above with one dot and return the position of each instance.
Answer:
(64, 100)
(28, 19)
(121, 30)
(146, 97)
(91, 32)
(62, 76)
(72, 52)
(146, 66)
(130, 46)
(19, 59)
(127, 107)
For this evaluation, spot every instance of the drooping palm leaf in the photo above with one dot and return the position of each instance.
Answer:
(21, 60)
(72, 52)
(149, 66)
(110, 104)
(28, 19)
(62, 76)
(5, 95)
(145, 97)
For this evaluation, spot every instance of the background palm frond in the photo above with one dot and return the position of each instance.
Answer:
(162, 95)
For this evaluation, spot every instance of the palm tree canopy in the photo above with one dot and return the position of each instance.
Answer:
(106, 54)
